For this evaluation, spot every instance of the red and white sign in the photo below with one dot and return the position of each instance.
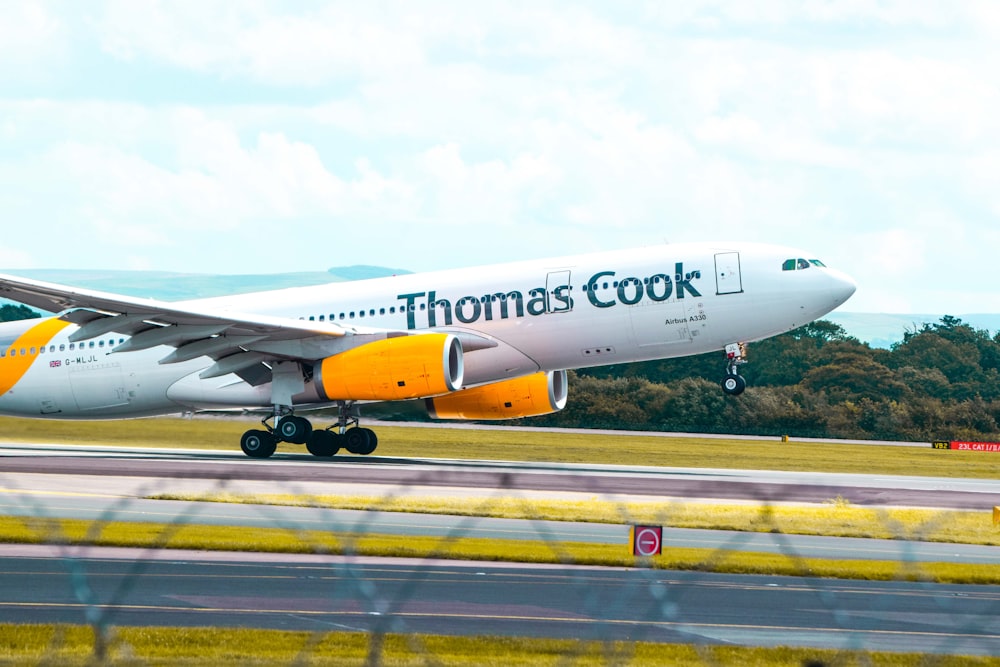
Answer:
(647, 540)
(976, 446)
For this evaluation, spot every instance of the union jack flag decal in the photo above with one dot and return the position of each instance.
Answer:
(55, 364)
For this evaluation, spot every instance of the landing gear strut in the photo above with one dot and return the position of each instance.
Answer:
(346, 434)
(734, 384)
(350, 436)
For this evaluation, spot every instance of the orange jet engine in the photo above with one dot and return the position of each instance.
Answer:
(529, 396)
(393, 369)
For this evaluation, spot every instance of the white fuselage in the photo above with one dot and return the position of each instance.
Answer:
(563, 313)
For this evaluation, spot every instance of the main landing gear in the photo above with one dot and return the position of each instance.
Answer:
(345, 434)
(734, 384)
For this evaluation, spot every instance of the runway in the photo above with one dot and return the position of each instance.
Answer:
(57, 502)
(301, 470)
(325, 594)
(149, 587)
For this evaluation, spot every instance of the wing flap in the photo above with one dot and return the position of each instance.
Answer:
(105, 324)
(214, 347)
(173, 335)
(232, 364)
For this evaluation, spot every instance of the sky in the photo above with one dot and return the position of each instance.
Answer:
(264, 137)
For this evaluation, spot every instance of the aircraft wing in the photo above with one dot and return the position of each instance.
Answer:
(239, 342)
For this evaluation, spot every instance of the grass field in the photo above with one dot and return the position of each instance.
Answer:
(196, 647)
(517, 445)
(836, 518)
(279, 540)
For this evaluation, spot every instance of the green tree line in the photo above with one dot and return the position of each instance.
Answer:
(10, 313)
(942, 381)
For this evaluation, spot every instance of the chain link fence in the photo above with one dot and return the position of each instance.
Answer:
(577, 581)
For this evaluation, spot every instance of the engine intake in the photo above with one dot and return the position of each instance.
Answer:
(529, 396)
(393, 369)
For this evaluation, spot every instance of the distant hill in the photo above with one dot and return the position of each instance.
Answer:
(884, 329)
(876, 329)
(167, 286)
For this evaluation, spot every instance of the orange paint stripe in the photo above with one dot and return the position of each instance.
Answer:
(13, 368)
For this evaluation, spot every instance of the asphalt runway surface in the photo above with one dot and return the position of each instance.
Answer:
(322, 594)
(158, 587)
(288, 470)
(57, 502)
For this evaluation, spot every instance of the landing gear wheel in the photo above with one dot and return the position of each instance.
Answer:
(372, 442)
(734, 385)
(361, 441)
(258, 444)
(323, 443)
(294, 429)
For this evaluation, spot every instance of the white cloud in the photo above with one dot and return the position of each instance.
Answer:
(30, 35)
(832, 125)
(496, 191)
(259, 40)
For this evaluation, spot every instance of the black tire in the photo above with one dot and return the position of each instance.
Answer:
(258, 444)
(372, 442)
(323, 443)
(360, 441)
(294, 429)
(734, 385)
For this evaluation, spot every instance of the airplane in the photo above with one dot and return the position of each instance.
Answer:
(490, 342)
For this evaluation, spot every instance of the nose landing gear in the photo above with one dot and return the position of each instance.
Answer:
(734, 384)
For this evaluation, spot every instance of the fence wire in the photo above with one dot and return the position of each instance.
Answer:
(325, 585)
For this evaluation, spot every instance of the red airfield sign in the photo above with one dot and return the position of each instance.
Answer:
(647, 540)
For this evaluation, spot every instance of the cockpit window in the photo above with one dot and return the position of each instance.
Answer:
(799, 264)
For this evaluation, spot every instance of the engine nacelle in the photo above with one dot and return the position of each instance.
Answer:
(393, 369)
(529, 396)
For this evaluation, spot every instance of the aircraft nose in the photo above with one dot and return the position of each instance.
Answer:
(842, 286)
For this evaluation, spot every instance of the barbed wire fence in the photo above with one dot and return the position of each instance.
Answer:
(647, 605)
